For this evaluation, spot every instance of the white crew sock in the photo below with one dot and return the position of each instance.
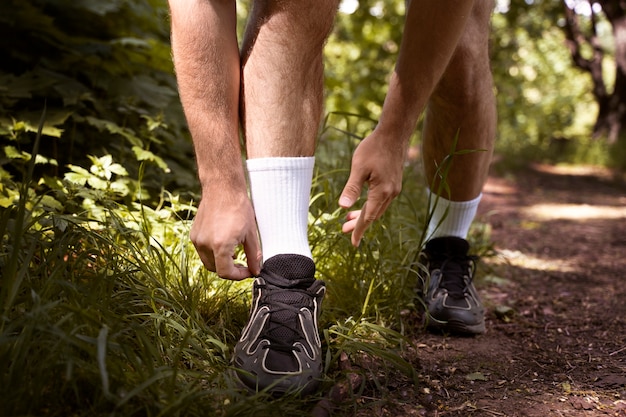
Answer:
(450, 218)
(280, 189)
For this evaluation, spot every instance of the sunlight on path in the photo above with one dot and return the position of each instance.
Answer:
(528, 261)
(574, 212)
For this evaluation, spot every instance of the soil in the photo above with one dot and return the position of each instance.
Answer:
(555, 296)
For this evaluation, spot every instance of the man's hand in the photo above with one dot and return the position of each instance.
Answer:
(377, 162)
(222, 223)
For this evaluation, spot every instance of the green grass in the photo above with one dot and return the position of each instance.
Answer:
(108, 311)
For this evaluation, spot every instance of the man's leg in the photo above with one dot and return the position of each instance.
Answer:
(463, 103)
(282, 92)
(462, 109)
(281, 112)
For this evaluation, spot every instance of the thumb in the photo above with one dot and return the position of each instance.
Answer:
(351, 192)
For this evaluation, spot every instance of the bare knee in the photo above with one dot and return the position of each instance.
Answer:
(306, 24)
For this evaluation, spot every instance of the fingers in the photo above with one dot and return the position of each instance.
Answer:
(349, 195)
(206, 256)
(360, 226)
(352, 190)
(358, 221)
(372, 211)
(365, 219)
(226, 268)
(223, 263)
(357, 224)
(351, 219)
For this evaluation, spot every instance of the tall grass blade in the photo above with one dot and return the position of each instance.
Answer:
(101, 357)
(13, 274)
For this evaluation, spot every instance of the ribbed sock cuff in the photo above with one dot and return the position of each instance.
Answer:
(450, 218)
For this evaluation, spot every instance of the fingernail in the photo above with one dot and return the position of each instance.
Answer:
(345, 202)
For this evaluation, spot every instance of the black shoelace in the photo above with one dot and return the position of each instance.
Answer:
(283, 328)
(454, 269)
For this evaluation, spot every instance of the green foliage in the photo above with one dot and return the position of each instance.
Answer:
(541, 98)
(103, 321)
(360, 56)
(383, 269)
(104, 72)
(107, 310)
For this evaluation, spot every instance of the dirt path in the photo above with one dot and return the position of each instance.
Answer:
(556, 299)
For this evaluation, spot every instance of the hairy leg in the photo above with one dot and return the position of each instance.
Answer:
(281, 108)
(463, 102)
(282, 76)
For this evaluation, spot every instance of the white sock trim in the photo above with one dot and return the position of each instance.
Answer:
(450, 218)
(280, 189)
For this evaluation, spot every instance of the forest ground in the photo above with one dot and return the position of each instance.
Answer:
(555, 295)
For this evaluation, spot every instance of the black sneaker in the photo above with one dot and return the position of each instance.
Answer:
(280, 349)
(453, 305)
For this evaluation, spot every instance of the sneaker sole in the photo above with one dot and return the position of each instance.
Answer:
(456, 327)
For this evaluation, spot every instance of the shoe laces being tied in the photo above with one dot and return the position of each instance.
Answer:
(283, 327)
(288, 287)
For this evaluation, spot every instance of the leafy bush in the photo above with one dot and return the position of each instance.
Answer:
(103, 71)
(106, 309)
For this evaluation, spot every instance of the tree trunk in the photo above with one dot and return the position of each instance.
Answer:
(611, 119)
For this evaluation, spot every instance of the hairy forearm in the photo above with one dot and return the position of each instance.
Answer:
(432, 31)
(206, 57)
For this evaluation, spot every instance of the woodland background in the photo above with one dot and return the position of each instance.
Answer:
(106, 309)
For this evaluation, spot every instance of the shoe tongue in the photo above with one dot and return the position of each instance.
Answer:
(446, 247)
(450, 255)
(289, 271)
